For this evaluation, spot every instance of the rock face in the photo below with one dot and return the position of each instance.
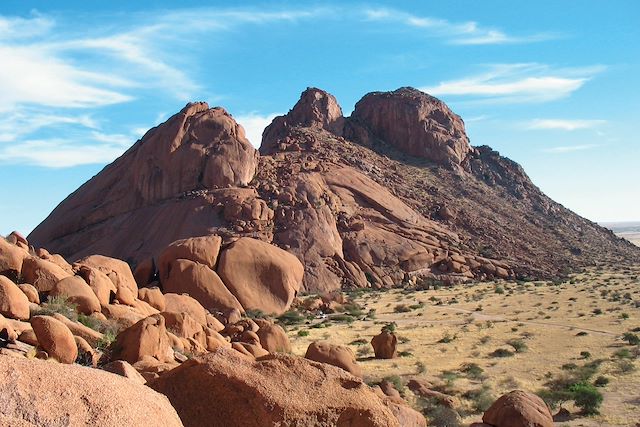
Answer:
(415, 123)
(393, 195)
(333, 354)
(261, 276)
(37, 393)
(257, 393)
(518, 409)
(316, 109)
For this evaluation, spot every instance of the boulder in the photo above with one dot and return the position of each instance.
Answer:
(78, 329)
(385, 345)
(148, 337)
(176, 303)
(123, 315)
(183, 325)
(31, 292)
(101, 285)
(272, 337)
(122, 368)
(201, 283)
(203, 250)
(76, 291)
(333, 354)
(42, 274)
(259, 393)
(116, 270)
(423, 389)
(87, 356)
(152, 296)
(144, 272)
(518, 409)
(11, 258)
(13, 302)
(37, 393)
(406, 416)
(55, 338)
(7, 332)
(261, 276)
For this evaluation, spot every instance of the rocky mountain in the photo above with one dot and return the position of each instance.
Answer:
(394, 193)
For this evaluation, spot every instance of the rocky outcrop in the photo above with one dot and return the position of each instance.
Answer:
(146, 338)
(316, 109)
(415, 123)
(13, 302)
(256, 393)
(36, 393)
(393, 195)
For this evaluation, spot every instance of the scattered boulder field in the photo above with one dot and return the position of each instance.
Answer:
(154, 301)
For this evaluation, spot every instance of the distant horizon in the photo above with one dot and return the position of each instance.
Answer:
(81, 82)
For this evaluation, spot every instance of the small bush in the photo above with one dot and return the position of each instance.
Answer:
(401, 308)
(518, 345)
(499, 290)
(585, 355)
(631, 338)
(397, 383)
(303, 333)
(447, 338)
(363, 351)
(291, 317)
(623, 353)
(597, 311)
(587, 397)
(359, 341)
(601, 381)
(582, 334)
(389, 327)
(481, 399)
(59, 305)
(473, 371)
(502, 352)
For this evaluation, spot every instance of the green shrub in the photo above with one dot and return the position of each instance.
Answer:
(389, 327)
(587, 397)
(481, 399)
(303, 333)
(499, 290)
(291, 317)
(59, 305)
(473, 371)
(359, 341)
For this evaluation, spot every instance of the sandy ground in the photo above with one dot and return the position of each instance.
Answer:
(555, 321)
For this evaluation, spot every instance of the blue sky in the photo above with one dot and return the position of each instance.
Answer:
(554, 85)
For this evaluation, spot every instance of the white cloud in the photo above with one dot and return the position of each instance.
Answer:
(570, 148)
(563, 124)
(514, 83)
(59, 153)
(53, 77)
(254, 125)
(461, 33)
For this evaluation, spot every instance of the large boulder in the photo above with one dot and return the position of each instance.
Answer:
(55, 338)
(153, 296)
(179, 303)
(148, 337)
(40, 394)
(385, 345)
(203, 250)
(415, 123)
(261, 276)
(99, 282)
(201, 283)
(11, 258)
(116, 270)
(333, 354)
(7, 332)
(272, 337)
(31, 292)
(518, 409)
(13, 302)
(76, 291)
(41, 273)
(259, 393)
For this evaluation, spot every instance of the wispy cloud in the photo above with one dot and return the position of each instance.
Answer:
(53, 77)
(254, 125)
(460, 33)
(515, 83)
(570, 148)
(563, 124)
